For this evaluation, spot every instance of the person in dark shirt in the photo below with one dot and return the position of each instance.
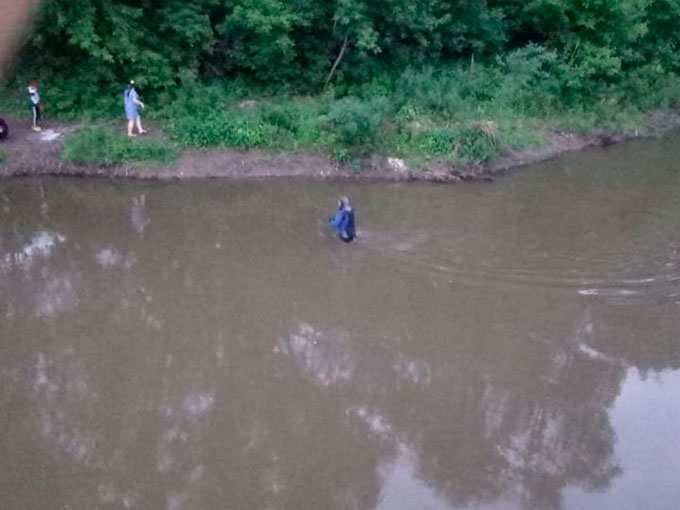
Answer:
(343, 222)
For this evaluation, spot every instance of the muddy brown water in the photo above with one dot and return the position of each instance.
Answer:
(209, 345)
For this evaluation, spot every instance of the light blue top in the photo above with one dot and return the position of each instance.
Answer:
(130, 97)
(343, 223)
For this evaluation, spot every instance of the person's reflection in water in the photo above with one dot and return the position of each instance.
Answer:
(343, 221)
(44, 206)
(138, 216)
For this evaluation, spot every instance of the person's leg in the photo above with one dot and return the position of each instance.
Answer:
(140, 129)
(34, 113)
(131, 125)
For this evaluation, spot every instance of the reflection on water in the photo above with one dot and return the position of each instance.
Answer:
(325, 357)
(138, 215)
(207, 346)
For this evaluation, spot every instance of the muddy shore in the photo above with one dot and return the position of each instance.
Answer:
(38, 154)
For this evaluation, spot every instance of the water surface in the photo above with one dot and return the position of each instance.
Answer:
(210, 345)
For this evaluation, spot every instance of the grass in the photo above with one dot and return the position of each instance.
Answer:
(3, 157)
(458, 113)
(11, 102)
(102, 146)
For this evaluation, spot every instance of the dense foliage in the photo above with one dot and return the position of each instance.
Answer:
(411, 76)
(164, 43)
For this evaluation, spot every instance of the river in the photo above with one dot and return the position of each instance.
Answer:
(209, 345)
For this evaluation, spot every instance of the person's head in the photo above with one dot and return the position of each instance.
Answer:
(33, 86)
(344, 202)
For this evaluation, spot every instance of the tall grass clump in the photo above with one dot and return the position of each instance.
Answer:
(206, 116)
(221, 130)
(299, 122)
(354, 125)
(475, 144)
(101, 146)
(223, 115)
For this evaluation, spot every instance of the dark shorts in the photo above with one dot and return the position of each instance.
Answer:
(37, 111)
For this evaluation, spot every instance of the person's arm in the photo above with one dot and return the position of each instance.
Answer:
(336, 220)
(135, 99)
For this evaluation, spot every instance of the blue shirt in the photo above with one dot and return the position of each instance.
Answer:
(343, 223)
(131, 107)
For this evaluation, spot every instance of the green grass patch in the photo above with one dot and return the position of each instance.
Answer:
(101, 146)
(222, 130)
(459, 143)
(3, 157)
(458, 112)
(13, 103)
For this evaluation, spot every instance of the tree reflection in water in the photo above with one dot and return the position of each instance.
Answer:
(142, 373)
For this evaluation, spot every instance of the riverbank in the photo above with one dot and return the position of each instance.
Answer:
(27, 153)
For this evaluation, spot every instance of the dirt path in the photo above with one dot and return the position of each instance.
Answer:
(30, 154)
(26, 149)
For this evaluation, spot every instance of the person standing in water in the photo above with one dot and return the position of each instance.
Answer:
(343, 221)
(132, 106)
(34, 104)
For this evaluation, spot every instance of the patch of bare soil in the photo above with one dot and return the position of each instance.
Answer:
(28, 151)
(32, 154)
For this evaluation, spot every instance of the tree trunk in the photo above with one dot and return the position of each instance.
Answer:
(337, 60)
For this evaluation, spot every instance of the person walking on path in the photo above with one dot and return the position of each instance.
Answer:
(343, 221)
(132, 106)
(34, 104)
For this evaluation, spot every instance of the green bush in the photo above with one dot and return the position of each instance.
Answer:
(100, 146)
(299, 123)
(12, 102)
(429, 91)
(196, 100)
(438, 142)
(529, 83)
(352, 122)
(228, 129)
(286, 116)
(423, 112)
(466, 144)
(475, 145)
